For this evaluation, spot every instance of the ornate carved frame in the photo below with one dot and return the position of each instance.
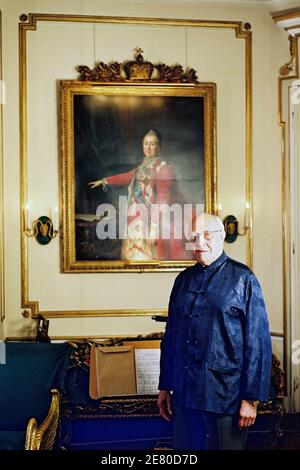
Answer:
(139, 79)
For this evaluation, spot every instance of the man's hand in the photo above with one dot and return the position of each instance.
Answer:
(165, 405)
(247, 414)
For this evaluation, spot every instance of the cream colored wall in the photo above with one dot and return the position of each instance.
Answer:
(295, 325)
(1, 194)
(277, 347)
(78, 43)
(293, 130)
(267, 172)
(53, 52)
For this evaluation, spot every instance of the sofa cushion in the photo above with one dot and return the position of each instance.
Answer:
(12, 440)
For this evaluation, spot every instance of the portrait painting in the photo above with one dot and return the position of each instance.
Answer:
(138, 162)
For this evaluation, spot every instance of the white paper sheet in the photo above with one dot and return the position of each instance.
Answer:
(147, 371)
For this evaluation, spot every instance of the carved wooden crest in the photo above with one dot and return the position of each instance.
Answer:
(137, 70)
(289, 69)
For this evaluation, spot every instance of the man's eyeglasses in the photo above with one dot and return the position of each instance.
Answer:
(206, 234)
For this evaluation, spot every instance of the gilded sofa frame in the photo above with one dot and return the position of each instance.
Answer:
(42, 437)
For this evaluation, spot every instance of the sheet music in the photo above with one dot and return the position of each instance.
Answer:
(147, 371)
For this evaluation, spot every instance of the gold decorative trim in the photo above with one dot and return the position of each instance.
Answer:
(137, 407)
(2, 272)
(286, 16)
(290, 28)
(29, 23)
(42, 437)
(277, 335)
(249, 146)
(77, 338)
(96, 337)
(288, 71)
(30, 438)
(137, 70)
(47, 430)
(69, 89)
(103, 313)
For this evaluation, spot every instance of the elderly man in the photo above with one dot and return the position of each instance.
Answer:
(216, 351)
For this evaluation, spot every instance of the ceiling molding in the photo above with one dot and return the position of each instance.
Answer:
(283, 4)
(289, 21)
(273, 6)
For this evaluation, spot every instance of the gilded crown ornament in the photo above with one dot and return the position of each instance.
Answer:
(137, 70)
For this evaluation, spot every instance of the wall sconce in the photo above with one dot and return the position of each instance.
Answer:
(43, 229)
(231, 226)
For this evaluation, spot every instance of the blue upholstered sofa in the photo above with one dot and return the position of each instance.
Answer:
(31, 378)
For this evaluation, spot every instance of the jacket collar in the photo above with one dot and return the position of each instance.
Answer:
(213, 266)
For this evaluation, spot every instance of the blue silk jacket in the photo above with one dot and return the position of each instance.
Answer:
(216, 350)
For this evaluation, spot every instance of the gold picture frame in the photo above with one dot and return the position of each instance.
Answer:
(102, 125)
(123, 212)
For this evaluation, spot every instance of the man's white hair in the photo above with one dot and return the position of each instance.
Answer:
(210, 221)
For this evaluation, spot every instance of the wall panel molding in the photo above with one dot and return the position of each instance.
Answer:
(29, 23)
